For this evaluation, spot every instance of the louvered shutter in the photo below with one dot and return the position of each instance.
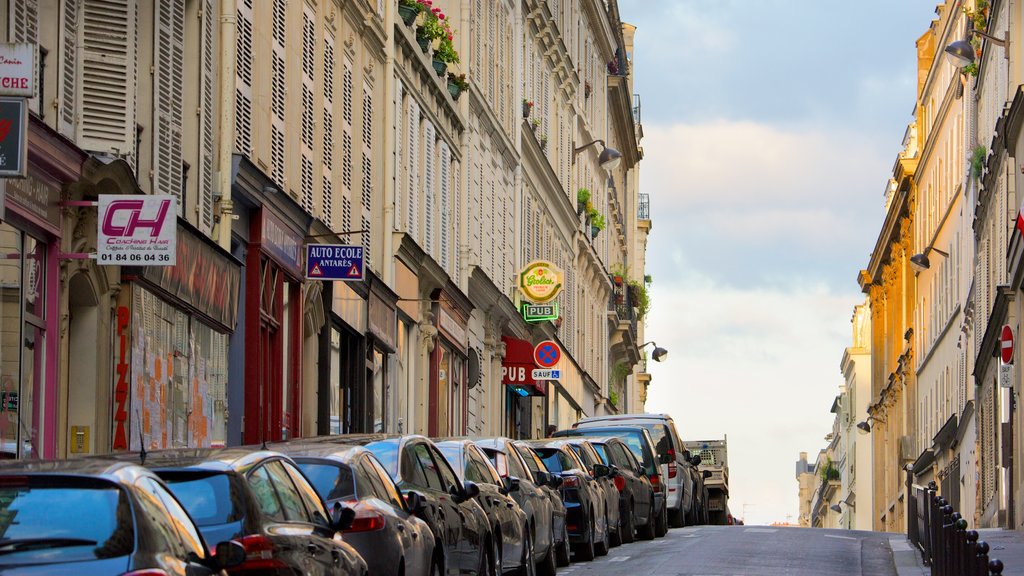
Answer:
(400, 151)
(458, 219)
(428, 189)
(412, 169)
(279, 22)
(327, 202)
(369, 175)
(207, 94)
(479, 39)
(168, 94)
(308, 113)
(445, 207)
(346, 137)
(25, 28)
(69, 68)
(107, 74)
(243, 82)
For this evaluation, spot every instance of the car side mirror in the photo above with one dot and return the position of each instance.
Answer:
(511, 483)
(602, 471)
(229, 554)
(687, 456)
(541, 478)
(696, 460)
(342, 517)
(554, 481)
(416, 503)
(706, 474)
(470, 490)
(666, 459)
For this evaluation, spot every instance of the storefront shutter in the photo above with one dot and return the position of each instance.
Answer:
(207, 175)
(69, 70)
(169, 53)
(108, 78)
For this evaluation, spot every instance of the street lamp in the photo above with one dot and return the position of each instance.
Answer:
(920, 262)
(865, 426)
(609, 158)
(961, 53)
(658, 353)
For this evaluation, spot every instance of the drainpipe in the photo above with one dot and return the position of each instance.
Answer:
(228, 32)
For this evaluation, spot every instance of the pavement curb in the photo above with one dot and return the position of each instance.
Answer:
(906, 558)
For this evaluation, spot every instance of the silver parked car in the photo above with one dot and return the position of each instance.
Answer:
(392, 540)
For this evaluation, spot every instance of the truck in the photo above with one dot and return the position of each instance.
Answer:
(714, 467)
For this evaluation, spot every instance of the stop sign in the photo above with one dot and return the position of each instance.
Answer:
(1006, 344)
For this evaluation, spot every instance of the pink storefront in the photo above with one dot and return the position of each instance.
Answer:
(30, 238)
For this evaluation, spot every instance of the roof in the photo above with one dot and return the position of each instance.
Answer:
(627, 417)
(344, 453)
(111, 469)
(214, 459)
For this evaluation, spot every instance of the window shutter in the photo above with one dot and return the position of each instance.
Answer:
(107, 71)
(69, 68)
(327, 203)
(428, 189)
(457, 222)
(445, 207)
(168, 94)
(25, 28)
(306, 184)
(399, 156)
(243, 82)
(208, 87)
(279, 23)
(346, 137)
(369, 175)
(412, 170)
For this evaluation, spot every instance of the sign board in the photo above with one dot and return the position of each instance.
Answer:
(137, 230)
(540, 312)
(18, 69)
(546, 374)
(1006, 375)
(13, 137)
(540, 282)
(547, 354)
(1006, 344)
(334, 262)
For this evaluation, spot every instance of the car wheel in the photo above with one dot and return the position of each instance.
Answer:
(526, 565)
(627, 526)
(585, 551)
(601, 548)
(661, 525)
(647, 532)
(547, 566)
(677, 519)
(564, 555)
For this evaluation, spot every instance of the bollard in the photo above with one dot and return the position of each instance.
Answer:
(995, 567)
(981, 560)
(959, 542)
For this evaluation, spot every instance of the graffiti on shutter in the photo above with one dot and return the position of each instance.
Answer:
(168, 94)
(107, 78)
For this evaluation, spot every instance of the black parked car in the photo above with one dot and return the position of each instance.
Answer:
(508, 522)
(99, 517)
(437, 495)
(700, 512)
(536, 493)
(638, 439)
(262, 500)
(586, 517)
(384, 531)
(636, 495)
(603, 474)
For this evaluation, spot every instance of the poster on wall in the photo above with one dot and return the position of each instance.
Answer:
(137, 230)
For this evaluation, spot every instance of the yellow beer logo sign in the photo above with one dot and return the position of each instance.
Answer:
(540, 281)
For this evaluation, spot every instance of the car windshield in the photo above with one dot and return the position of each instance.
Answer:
(94, 521)
(208, 497)
(659, 434)
(332, 481)
(387, 452)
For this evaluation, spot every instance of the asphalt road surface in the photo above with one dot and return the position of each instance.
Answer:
(747, 551)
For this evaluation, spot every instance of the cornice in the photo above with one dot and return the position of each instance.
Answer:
(620, 97)
(536, 12)
(489, 124)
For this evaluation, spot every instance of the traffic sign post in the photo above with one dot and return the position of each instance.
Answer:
(547, 354)
(334, 262)
(1006, 344)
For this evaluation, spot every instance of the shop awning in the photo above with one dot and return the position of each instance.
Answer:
(517, 368)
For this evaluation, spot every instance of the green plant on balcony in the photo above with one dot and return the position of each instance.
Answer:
(597, 221)
(619, 371)
(582, 200)
(830, 472)
(613, 397)
(641, 298)
(978, 154)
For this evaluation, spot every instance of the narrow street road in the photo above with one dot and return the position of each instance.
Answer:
(747, 551)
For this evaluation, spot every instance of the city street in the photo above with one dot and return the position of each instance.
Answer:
(747, 551)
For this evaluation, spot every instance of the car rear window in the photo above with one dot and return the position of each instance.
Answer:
(552, 459)
(208, 496)
(602, 450)
(332, 481)
(387, 453)
(94, 522)
(659, 434)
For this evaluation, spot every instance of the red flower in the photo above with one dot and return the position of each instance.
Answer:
(450, 38)
(440, 16)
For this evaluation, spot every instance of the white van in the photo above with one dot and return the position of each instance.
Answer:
(675, 465)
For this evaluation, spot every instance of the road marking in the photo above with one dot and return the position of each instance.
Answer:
(840, 537)
(761, 530)
(619, 559)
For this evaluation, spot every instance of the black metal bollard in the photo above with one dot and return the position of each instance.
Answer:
(995, 567)
(948, 534)
(981, 560)
(959, 542)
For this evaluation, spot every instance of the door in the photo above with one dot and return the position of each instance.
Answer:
(419, 472)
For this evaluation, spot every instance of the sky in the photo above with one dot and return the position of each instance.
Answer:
(770, 128)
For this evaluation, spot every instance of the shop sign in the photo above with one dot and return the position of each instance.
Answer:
(540, 312)
(18, 69)
(452, 327)
(382, 320)
(202, 278)
(281, 242)
(13, 137)
(517, 368)
(334, 262)
(540, 282)
(37, 197)
(137, 230)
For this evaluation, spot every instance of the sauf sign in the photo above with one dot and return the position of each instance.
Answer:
(137, 230)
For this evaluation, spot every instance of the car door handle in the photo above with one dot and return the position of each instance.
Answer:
(401, 527)
(510, 504)
(312, 548)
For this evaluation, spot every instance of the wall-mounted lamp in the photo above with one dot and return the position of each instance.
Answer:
(658, 353)
(961, 53)
(865, 426)
(609, 158)
(920, 263)
(837, 508)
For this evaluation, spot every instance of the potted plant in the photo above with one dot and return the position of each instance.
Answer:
(432, 28)
(457, 84)
(613, 67)
(543, 141)
(641, 298)
(596, 224)
(978, 155)
(527, 107)
(586, 89)
(534, 124)
(582, 199)
(445, 55)
(408, 10)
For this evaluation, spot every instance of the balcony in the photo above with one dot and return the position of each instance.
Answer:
(643, 211)
(622, 322)
(636, 109)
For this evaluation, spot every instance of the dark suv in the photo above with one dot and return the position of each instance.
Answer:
(262, 500)
(98, 517)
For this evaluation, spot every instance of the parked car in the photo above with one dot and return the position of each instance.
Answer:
(701, 515)
(437, 495)
(677, 472)
(535, 493)
(536, 467)
(262, 500)
(602, 473)
(93, 517)
(507, 519)
(391, 539)
(638, 439)
(586, 517)
(636, 495)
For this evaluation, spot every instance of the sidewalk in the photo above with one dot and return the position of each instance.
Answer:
(1006, 545)
(906, 558)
